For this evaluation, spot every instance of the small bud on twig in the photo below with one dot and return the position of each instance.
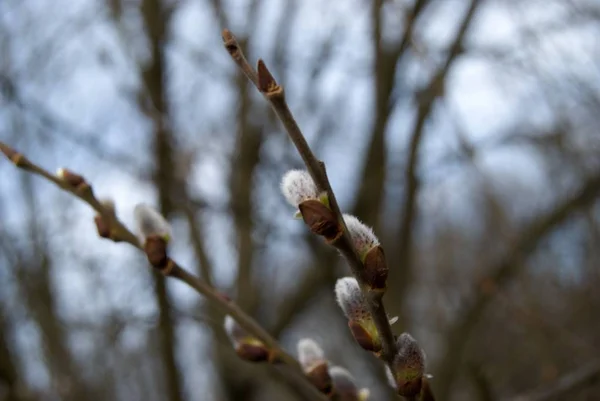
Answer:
(75, 181)
(315, 366)
(246, 346)
(11, 154)
(102, 226)
(156, 251)
(345, 387)
(300, 190)
(150, 223)
(370, 252)
(352, 302)
(154, 232)
(410, 366)
(266, 82)
(310, 353)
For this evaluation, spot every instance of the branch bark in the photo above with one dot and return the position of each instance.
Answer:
(120, 233)
(273, 92)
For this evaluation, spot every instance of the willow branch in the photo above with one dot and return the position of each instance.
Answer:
(266, 84)
(79, 188)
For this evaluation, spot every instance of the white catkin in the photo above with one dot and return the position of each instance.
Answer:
(233, 330)
(298, 186)
(410, 355)
(343, 381)
(150, 222)
(350, 299)
(309, 353)
(363, 236)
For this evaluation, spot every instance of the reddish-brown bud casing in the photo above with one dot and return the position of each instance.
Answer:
(156, 251)
(102, 227)
(320, 219)
(252, 352)
(376, 269)
(362, 337)
(320, 378)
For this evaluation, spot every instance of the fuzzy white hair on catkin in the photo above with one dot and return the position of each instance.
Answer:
(350, 298)
(343, 380)
(298, 186)
(309, 352)
(410, 354)
(362, 235)
(233, 329)
(150, 222)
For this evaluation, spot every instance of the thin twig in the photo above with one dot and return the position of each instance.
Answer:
(273, 92)
(120, 233)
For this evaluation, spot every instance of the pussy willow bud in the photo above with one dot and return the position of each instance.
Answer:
(300, 190)
(370, 252)
(75, 181)
(363, 237)
(246, 346)
(409, 363)
(310, 353)
(154, 233)
(344, 385)
(103, 225)
(150, 223)
(360, 321)
(298, 186)
(315, 366)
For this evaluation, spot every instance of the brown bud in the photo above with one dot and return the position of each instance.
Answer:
(74, 180)
(363, 337)
(156, 251)
(252, 352)
(12, 155)
(376, 269)
(102, 227)
(320, 219)
(266, 82)
(320, 378)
